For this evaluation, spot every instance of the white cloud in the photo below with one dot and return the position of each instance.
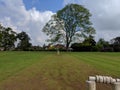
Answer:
(105, 16)
(14, 14)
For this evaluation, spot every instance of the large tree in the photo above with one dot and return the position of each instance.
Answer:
(7, 38)
(69, 24)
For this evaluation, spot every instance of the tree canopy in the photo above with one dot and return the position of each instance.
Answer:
(24, 43)
(69, 24)
(7, 38)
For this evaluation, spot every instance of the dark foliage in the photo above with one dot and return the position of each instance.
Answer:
(7, 38)
(24, 43)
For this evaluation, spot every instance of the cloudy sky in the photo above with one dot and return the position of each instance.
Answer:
(31, 15)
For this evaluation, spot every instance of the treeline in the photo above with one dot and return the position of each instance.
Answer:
(11, 40)
(90, 44)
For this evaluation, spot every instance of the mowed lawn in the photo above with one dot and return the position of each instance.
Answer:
(49, 71)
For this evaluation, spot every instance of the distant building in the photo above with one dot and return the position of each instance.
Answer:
(60, 46)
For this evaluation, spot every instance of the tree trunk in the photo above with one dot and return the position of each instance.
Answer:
(67, 46)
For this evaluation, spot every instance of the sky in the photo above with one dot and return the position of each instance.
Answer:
(31, 16)
(43, 5)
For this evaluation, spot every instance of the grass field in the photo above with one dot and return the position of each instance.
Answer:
(49, 71)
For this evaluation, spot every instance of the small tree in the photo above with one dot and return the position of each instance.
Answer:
(115, 42)
(69, 24)
(101, 44)
(24, 43)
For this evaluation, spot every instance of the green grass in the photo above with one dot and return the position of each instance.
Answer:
(109, 63)
(13, 62)
(49, 71)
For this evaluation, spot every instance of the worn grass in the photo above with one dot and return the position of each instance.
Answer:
(48, 71)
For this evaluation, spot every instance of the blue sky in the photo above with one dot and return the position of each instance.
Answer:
(31, 16)
(44, 5)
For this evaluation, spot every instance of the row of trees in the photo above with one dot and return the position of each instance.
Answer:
(8, 39)
(104, 46)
